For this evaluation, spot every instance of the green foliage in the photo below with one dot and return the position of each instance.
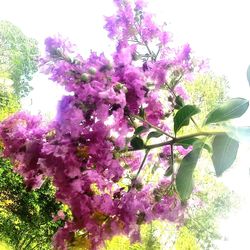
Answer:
(9, 103)
(231, 109)
(4, 246)
(137, 143)
(184, 177)
(25, 216)
(215, 201)
(224, 152)
(186, 240)
(154, 134)
(183, 116)
(18, 57)
(140, 130)
(207, 91)
(149, 240)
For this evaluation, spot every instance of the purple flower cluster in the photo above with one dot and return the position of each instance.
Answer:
(81, 150)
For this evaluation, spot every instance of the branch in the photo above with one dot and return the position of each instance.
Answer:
(153, 126)
(142, 163)
(140, 168)
(175, 140)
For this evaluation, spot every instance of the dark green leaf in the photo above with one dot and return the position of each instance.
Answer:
(137, 143)
(154, 134)
(169, 171)
(179, 102)
(187, 142)
(140, 130)
(183, 116)
(142, 112)
(224, 152)
(231, 109)
(184, 177)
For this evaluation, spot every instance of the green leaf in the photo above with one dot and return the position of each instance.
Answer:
(184, 177)
(179, 102)
(142, 112)
(154, 134)
(224, 152)
(231, 109)
(137, 143)
(183, 116)
(241, 134)
(140, 130)
(207, 147)
(169, 172)
(187, 142)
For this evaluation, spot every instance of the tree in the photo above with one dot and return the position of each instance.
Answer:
(25, 216)
(207, 91)
(18, 57)
(117, 121)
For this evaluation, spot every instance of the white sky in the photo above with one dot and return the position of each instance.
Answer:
(216, 29)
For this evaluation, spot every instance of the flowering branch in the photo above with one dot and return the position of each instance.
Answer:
(176, 140)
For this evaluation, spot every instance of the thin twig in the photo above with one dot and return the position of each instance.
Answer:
(140, 168)
(172, 160)
(153, 126)
(142, 163)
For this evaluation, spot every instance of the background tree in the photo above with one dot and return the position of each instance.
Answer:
(18, 57)
(207, 91)
(25, 216)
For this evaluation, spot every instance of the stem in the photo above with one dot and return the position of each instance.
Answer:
(153, 126)
(142, 163)
(176, 140)
(172, 91)
(140, 168)
(195, 124)
(144, 43)
(172, 161)
(157, 53)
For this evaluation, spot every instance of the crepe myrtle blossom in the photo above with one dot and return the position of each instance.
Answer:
(88, 150)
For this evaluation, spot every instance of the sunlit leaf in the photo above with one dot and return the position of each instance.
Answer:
(183, 116)
(140, 130)
(154, 134)
(184, 177)
(231, 109)
(224, 152)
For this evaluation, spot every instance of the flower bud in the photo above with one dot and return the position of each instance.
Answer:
(92, 70)
(120, 87)
(85, 77)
